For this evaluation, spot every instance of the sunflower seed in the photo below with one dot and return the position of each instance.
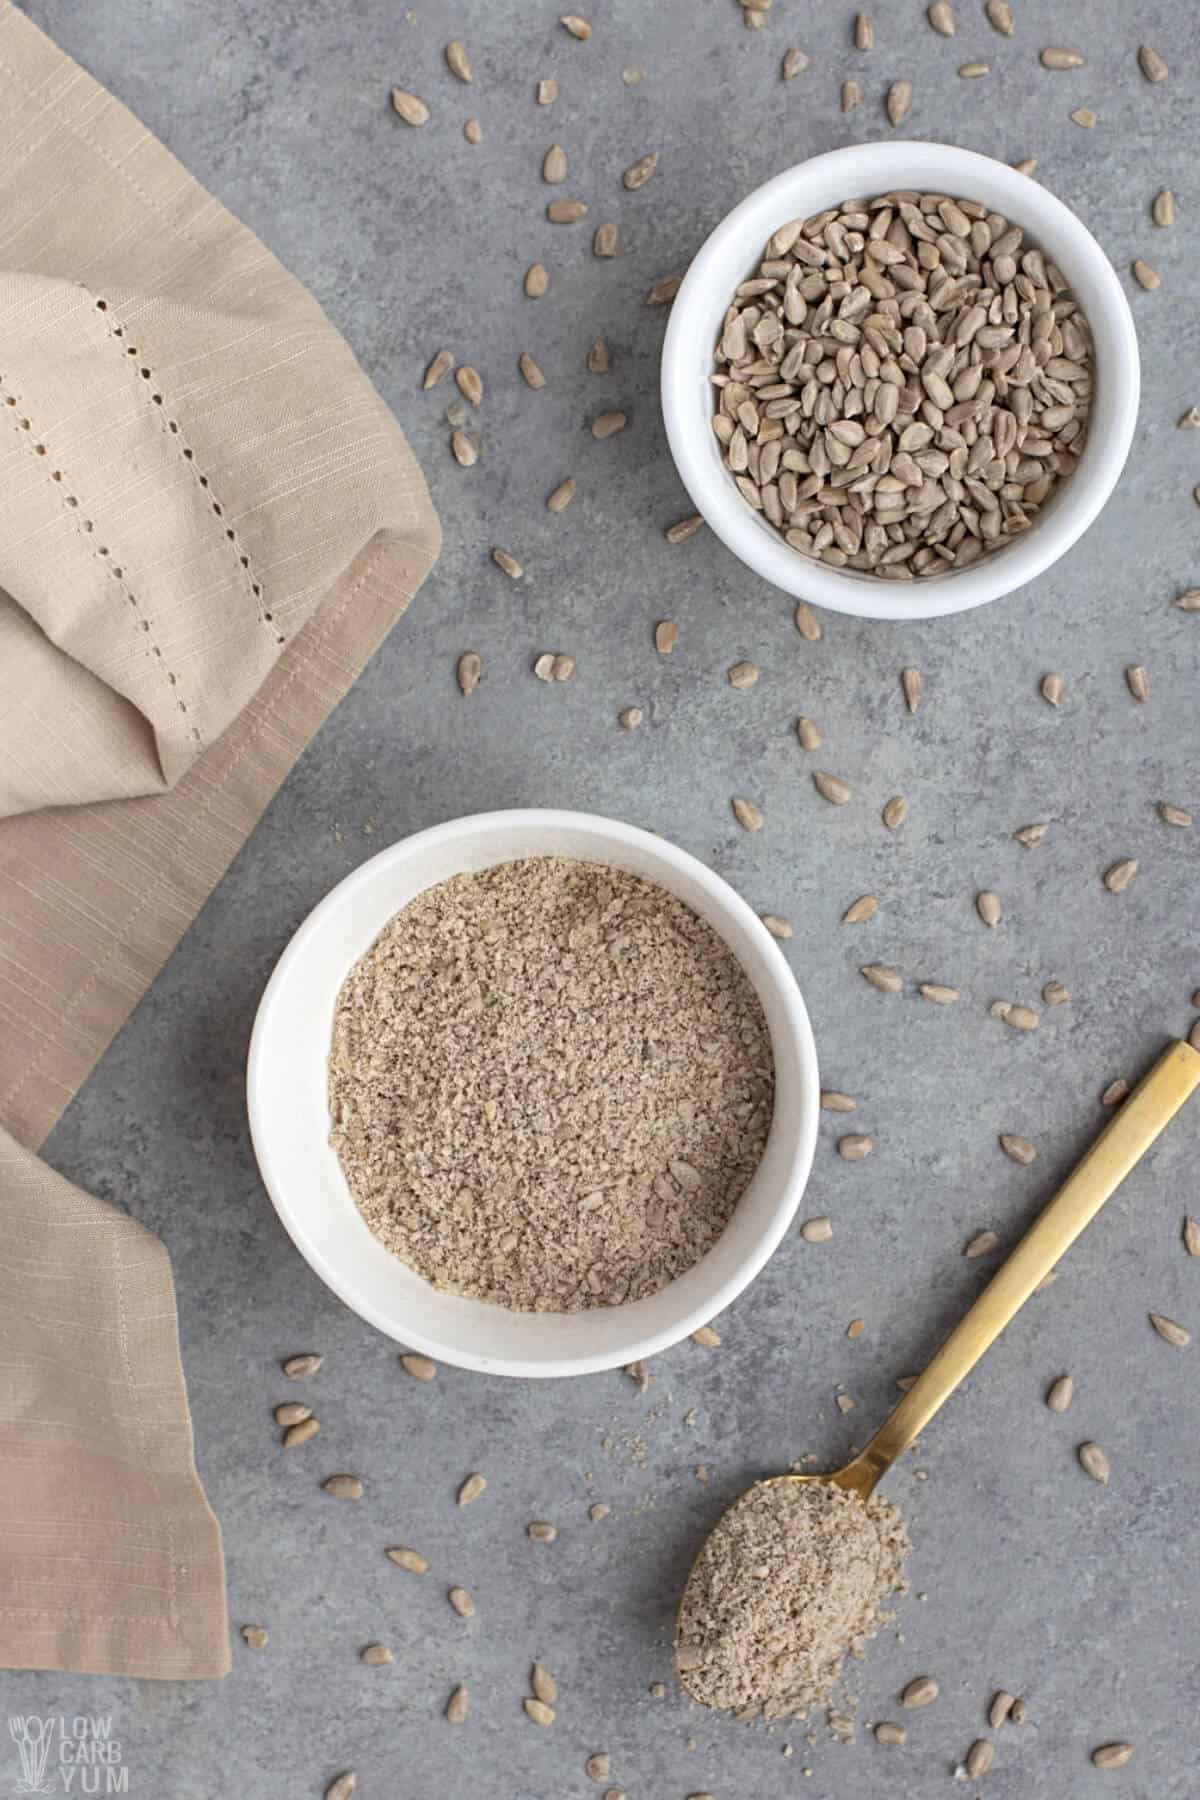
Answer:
(666, 636)
(536, 280)
(470, 671)
(607, 425)
(865, 907)
(921, 1692)
(458, 62)
(1061, 59)
(597, 1767)
(257, 1637)
(1152, 65)
(465, 449)
(598, 360)
(541, 1531)
(577, 25)
(547, 91)
(807, 623)
(899, 100)
(292, 1413)
(683, 529)
(639, 1374)
(1113, 1756)
(664, 290)
(778, 928)
(747, 814)
(504, 560)
(342, 1786)
(1146, 276)
(566, 212)
(297, 1366)
(888, 981)
(744, 674)
(343, 1487)
(597, 1511)
(982, 1244)
(638, 174)
(794, 62)
(631, 718)
(471, 1489)
(562, 496)
(1115, 1092)
(458, 1706)
(1055, 994)
(851, 95)
(410, 109)
(1021, 1018)
(1059, 1396)
(607, 240)
(979, 1758)
(1031, 835)
(809, 734)
(303, 1433)
(1053, 688)
(1001, 1707)
(1119, 876)
(831, 787)
(419, 1367)
(543, 1684)
(941, 17)
(1028, 166)
(473, 131)
(1000, 16)
(538, 1711)
(1018, 1148)
(1138, 682)
(972, 71)
(376, 1656)
(816, 1231)
(887, 1733)
(895, 812)
(845, 1404)
(939, 994)
(987, 905)
(554, 666)
(1084, 117)
(707, 1336)
(1163, 209)
(441, 365)
(411, 1560)
(910, 681)
(554, 165)
(1176, 1335)
(864, 32)
(855, 1147)
(833, 1101)
(462, 1602)
(1188, 601)
(1191, 1236)
(1094, 1461)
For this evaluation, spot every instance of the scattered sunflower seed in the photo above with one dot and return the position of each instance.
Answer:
(979, 1758)
(831, 787)
(855, 1328)
(630, 718)
(794, 63)
(910, 681)
(554, 165)
(1018, 1148)
(888, 981)
(666, 636)
(1115, 1092)
(577, 25)
(987, 905)
(376, 1656)
(921, 1692)
(554, 666)
(816, 1231)
(899, 101)
(1053, 688)
(833, 1101)
(664, 290)
(343, 1487)
(419, 1367)
(1152, 65)
(865, 907)
(1084, 117)
(744, 674)
(1055, 993)
(538, 1711)
(855, 1147)
(607, 425)
(410, 109)
(562, 496)
(1027, 166)
(597, 1767)
(470, 671)
(411, 1560)
(458, 1706)
(778, 928)
(1163, 209)
(807, 623)
(607, 240)
(851, 96)
(1021, 1018)
(441, 366)
(541, 1531)
(748, 815)
(683, 529)
(707, 1336)
(503, 559)
(1056, 58)
(473, 131)
(458, 62)
(536, 280)
(809, 733)
(845, 1403)
(303, 1433)
(297, 1366)
(982, 1244)
(471, 1489)
(292, 1413)
(256, 1636)
(465, 449)
(939, 994)
(1138, 682)
(1119, 876)
(342, 1786)
(1031, 835)
(895, 812)
(1146, 276)
(1172, 1333)
(1000, 16)
(462, 1602)
(598, 359)
(547, 91)
(566, 212)
(638, 174)
(597, 1511)
(1094, 1462)
(1191, 1235)
(864, 32)
(542, 1682)
(1188, 601)
(941, 17)
(972, 71)
(1113, 1756)
(887, 1733)
(998, 1711)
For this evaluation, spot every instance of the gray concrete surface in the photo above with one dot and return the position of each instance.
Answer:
(1025, 1574)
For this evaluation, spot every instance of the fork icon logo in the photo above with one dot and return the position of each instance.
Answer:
(33, 1738)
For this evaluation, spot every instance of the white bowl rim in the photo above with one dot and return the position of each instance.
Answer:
(723, 260)
(471, 826)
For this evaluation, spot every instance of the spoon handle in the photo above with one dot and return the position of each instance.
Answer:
(1122, 1143)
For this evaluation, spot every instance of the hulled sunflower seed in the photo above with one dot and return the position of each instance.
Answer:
(988, 906)
(342, 1786)
(376, 1656)
(536, 280)
(1145, 276)
(597, 1767)
(666, 636)
(1057, 58)
(865, 907)
(1000, 16)
(888, 1733)
(1188, 601)
(538, 1711)
(794, 63)
(1021, 1018)
(607, 425)
(638, 174)
(597, 1511)
(471, 1489)
(473, 131)
(1115, 1092)
(941, 17)
(542, 1682)
(303, 1433)
(606, 241)
(831, 787)
(577, 25)
(554, 165)
(683, 529)
(807, 623)
(778, 927)
(1138, 682)
(816, 1231)
(707, 1337)
(292, 1413)
(1163, 209)
(566, 212)
(458, 62)
(979, 1758)
(864, 32)
(939, 994)
(552, 665)
(458, 1706)
(441, 366)
(888, 981)
(982, 1244)
(1178, 1336)
(419, 1367)
(664, 290)
(895, 812)
(1053, 688)
(833, 1101)
(748, 815)
(1056, 994)
(1060, 1394)
(999, 1710)
(1018, 1148)
(910, 681)
(343, 1487)
(1112, 1756)
(1084, 117)
(1094, 1462)
(1191, 1235)
(855, 1147)
(923, 1691)
(464, 449)
(541, 1531)
(1027, 166)
(412, 1560)
(973, 71)
(851, 96)
(257, 1637)
(547, 91)
(462, 1602)
(412, 110)
(1031, 835)
(630, 718)
(899, 101)
(809, 734)
(1152, 65)
(503, 559)
(743, 674)
(598, 360)
(298, 1366)
(470, 671)
(562, 496)
(1118, 877)
(1190, 421)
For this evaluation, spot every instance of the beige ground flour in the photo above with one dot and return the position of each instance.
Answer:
(792, 1579)
(550, 1083)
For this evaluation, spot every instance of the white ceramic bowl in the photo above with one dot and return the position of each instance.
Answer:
(732, 252)
(289, 1115)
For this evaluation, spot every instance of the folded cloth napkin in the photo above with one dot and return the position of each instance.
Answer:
(208, 521)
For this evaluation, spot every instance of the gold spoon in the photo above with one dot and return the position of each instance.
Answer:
(1123, 1142)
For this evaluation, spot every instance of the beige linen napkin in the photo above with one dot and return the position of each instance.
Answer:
(208, 521)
